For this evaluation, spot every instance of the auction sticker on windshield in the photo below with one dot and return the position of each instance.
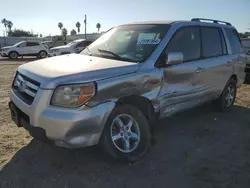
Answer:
(149, 41)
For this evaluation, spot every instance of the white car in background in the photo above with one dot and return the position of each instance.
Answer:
(75, 46)
(25, 48)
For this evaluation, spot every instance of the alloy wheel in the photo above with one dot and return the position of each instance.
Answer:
(125, 133)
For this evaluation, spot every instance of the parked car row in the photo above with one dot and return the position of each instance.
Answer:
(41, 50)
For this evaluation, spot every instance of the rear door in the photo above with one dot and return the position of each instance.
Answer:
(32, 48)
(216, 61)
(237, 57)
(182, 87)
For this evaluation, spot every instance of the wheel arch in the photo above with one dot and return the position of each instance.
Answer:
(13, 51)
(142, 103)
(234, 76)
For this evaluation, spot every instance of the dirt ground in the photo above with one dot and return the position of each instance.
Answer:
(199, 148)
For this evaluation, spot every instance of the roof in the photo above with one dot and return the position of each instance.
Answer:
(178, 21)
(152, 22)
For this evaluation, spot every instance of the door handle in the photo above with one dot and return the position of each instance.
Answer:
(228, 63)
(199, 69)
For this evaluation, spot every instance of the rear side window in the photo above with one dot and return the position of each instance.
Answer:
(187, 41)
(211, 42)
(32, 44)
(234, 40)
(224, 46)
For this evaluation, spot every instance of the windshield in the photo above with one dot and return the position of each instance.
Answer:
(71, 43)
(134, 43)
(17, 44)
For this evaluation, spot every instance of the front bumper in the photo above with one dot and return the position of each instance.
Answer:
(52, 54)
(3, 54)
(69, 128)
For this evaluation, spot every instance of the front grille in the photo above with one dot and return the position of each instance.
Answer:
(25, 88)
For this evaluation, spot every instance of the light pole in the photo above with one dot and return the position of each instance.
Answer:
(85, 23)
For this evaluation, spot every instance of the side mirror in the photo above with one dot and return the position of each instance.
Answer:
(174, 58)
(248, 53)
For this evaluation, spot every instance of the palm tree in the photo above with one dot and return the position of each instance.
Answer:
(9, 25)
(98, 26)
(73, 32)
(64, 33)
(60, 25)
(78, 25)
(4, 22)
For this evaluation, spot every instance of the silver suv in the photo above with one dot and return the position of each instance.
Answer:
(113, 91)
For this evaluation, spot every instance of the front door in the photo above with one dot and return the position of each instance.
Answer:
(183, 87)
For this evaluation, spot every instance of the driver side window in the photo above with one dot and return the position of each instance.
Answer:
(187, 41)
(22, 45)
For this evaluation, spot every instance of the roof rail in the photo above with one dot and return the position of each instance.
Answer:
(214, 21)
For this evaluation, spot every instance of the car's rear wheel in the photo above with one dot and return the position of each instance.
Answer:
(126, 135)
(43, 54)
(13, 55)
(228, 96)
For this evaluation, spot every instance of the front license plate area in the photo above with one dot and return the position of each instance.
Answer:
(14, 114)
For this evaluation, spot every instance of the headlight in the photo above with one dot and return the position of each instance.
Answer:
(73, 95)
(5, 49)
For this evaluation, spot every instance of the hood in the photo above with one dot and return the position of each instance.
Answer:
(60, 47)
(6, 47)
(75, 68)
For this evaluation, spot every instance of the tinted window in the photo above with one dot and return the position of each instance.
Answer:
(83, 44)
(22, 45)
(32, 44)
(187, 41)
(234, 40)
(224, 46)
(211, 42)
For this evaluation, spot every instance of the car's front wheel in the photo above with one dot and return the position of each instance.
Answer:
(43, 54)
(126, 135)
(13, 55)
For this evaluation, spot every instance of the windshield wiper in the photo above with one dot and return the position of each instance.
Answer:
(112, 53)
(118, 57)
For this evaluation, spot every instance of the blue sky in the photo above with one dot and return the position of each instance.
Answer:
(43, 16)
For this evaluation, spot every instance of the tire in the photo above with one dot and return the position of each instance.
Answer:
(228, 96)
(42, 54)
(136, 147)
(13, 55)
(247, 79)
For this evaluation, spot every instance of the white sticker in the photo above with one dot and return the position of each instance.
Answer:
(149, 41)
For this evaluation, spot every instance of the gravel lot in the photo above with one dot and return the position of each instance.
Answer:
(198, 148)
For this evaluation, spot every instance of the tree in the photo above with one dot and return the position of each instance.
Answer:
(98, 26)
(41, 35)
(243, 35)
(60, 25)
(73, 32)
(20, 33)
(4, 22)
(9, 25)
(64, 33)
(78, 25)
